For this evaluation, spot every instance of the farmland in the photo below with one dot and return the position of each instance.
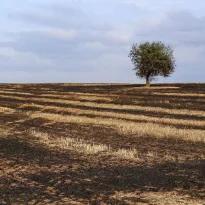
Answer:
(102, 144)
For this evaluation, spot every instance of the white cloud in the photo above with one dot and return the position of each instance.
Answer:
(24, 58)
(63, 34)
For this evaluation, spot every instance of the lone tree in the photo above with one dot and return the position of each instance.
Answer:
(152, 59)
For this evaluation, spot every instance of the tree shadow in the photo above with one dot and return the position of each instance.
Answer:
(92, 179)
(97, 183)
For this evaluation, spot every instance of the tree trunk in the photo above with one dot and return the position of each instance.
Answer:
(147, 82)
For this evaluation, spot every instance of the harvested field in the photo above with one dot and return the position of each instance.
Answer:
(102, 144)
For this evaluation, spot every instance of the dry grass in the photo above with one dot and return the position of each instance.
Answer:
(128, 107)
(83, 146)
(93, 98)
(6, 110)
(15, 92)
(125, 127)
(180, 94)
(81, 97)
(138, 117)
(145, 88)
(4, 131)
(12, 97)
(165, 198)
(53, 93)
(91, 94)
(184, 112)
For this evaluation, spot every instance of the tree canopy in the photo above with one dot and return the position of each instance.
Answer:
(152, 59)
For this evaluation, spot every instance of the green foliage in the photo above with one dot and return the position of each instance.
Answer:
(152, 59)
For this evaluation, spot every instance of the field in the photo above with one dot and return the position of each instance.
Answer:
(102, 144)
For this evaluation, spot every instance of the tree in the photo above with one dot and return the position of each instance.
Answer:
(152, 59)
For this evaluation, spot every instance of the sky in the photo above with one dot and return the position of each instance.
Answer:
(88, 41)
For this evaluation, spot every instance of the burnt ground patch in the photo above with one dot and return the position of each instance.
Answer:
(32, 173)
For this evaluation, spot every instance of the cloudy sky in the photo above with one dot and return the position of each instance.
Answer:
(89, 40)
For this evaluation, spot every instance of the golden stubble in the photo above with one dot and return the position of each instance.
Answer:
(184, 112)
(126, 127)
(116, 115)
